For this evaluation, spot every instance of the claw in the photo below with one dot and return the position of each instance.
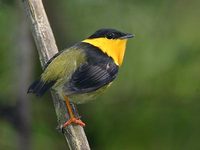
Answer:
(75, 121)
(72, 119)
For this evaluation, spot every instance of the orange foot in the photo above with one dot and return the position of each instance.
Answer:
(73, 120)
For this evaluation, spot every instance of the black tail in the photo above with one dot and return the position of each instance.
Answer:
(40, 87)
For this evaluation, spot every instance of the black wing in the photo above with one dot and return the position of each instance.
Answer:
(91, 77)
(99, 70)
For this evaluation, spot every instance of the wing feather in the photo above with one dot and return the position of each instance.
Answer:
(88, 78)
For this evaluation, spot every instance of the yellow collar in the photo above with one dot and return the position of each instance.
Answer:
(115, 48)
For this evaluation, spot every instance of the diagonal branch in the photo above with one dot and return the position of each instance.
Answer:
(47, 48)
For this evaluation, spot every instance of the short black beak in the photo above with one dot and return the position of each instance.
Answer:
(127, 36)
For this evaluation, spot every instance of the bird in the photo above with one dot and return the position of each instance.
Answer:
(81, 72)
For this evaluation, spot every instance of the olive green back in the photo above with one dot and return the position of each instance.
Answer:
(62, 67)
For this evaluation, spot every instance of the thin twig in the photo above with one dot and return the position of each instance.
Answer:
(47, 48)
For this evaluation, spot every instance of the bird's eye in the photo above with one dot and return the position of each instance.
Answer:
(110, 36)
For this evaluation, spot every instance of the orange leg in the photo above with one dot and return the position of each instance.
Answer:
(72, 118)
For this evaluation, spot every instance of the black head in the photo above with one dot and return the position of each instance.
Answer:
(110, 34)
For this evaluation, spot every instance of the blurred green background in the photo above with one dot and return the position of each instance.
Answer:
(154, 103)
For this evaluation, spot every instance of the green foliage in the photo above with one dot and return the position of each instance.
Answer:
(154, 103)
(7, 29)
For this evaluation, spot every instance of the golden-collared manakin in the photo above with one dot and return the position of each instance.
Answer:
(84, 70)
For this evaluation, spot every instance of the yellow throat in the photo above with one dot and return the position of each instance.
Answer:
(115, 48)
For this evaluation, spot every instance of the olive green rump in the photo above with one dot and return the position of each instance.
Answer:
(58, 70)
